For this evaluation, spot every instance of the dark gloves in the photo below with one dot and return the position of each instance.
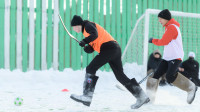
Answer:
(82, 43)
(88, 49)
(150, 40)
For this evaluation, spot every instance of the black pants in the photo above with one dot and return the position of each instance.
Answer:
(168, 67)
(110, 53)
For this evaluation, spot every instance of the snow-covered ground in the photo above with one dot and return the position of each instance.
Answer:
(42, 92)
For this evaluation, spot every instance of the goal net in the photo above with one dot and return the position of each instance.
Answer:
(138, 49)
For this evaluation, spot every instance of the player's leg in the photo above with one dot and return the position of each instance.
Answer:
(152, 82)
(180, 81)
(90, 77)
(132, 85)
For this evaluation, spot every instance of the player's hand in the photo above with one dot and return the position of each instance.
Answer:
(181, 69)
(82, 43)
(88, 49)
(150, 40)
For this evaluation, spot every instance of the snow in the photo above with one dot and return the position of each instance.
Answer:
(42, 92)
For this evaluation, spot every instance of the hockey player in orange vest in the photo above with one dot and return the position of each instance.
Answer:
(99, 40)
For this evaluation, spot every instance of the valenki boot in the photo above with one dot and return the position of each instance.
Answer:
(88, 90)
(139, 94)
(186, 85)
(151, 88)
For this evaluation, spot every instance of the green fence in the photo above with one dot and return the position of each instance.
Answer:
(35, 39)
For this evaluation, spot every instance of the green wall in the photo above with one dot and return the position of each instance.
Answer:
(117, 18)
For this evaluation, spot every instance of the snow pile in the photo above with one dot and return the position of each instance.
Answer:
(42, 92)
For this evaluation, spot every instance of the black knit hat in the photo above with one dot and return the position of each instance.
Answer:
(76, 20)
(165, 14)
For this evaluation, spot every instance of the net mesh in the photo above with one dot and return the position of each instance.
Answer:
(134, 51)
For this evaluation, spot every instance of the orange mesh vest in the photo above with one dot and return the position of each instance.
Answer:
(103, 36)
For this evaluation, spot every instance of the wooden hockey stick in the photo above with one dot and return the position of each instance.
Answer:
(67, 30)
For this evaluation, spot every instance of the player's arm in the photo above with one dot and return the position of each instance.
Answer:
(92, 30)
(168, 36)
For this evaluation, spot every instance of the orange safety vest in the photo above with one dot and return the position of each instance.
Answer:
(103, 37)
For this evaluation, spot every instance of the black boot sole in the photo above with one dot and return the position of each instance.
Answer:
(84, 103)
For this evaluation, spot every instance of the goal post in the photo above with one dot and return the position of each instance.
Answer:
(137, 49)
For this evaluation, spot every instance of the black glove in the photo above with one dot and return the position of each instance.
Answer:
(150, 40)
(88, 49)
(82, 43)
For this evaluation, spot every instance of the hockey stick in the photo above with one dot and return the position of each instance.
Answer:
(141, 81)
(145, 78)
(67, 30)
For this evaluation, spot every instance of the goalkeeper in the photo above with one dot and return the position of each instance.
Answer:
(172, 57)
(98, 39)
